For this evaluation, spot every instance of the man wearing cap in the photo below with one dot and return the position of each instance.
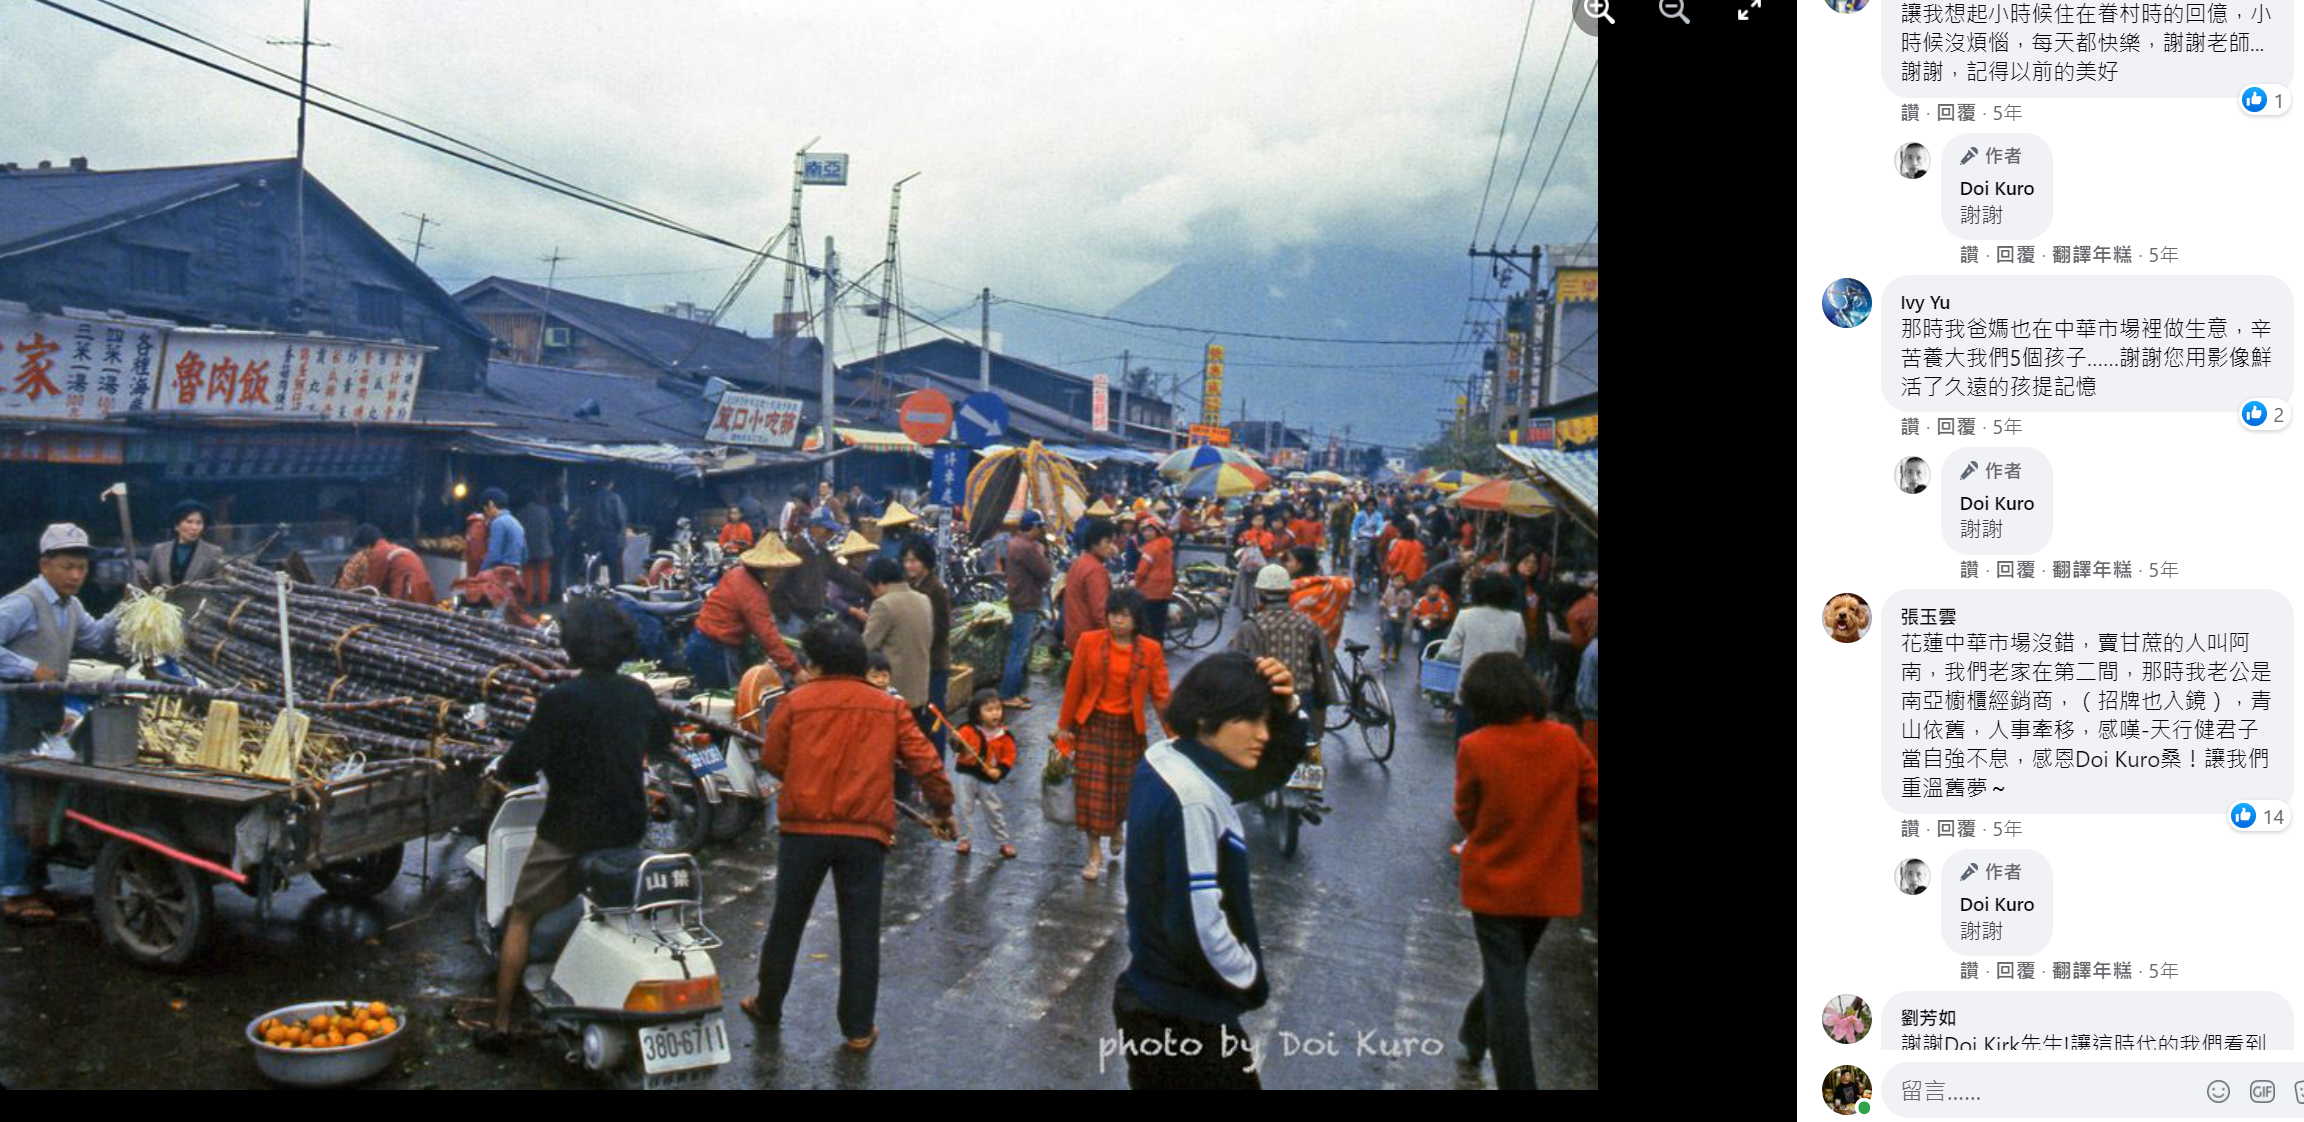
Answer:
(1156, 577)
(187, 558)
(42, 625)
(1026, 568)
(1279, 631)
(799, 597)
(737, 609)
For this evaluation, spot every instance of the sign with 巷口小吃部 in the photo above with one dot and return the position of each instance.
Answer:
(747, 418)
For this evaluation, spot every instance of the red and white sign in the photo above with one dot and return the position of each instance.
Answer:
(925, 416)
(69, 368)
(288, 376)
(745, 418)
(1103, 407)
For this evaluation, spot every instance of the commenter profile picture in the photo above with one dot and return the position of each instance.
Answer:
(1912, 160)
(1847, 1019)
(1847, 1090)
(1847, 302)
(1849, 7)
(1911, 475)
(1912, 876)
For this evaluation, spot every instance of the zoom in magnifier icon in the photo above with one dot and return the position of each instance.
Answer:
(1672, 9)
(1598, 9)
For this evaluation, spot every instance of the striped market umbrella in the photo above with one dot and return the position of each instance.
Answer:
(1183, 463)
(1326, 477)
(1508, 495)
(1224, 481)
(1458, 480)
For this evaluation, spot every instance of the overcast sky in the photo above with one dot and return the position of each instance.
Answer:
(1069, 152)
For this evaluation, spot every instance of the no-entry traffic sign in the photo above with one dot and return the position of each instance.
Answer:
(926, 416)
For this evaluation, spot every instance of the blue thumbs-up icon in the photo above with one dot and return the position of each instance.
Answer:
(2253, 414)
(2253, 99)
(2243, 815)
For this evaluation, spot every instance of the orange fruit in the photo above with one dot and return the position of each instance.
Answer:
(295, 1035)
(378, 1010)
(357, 1038)
(387, 1027)
(319, 1023)
(368, 1025)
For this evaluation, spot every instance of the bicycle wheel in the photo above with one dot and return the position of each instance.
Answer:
(1207, 622)
(1372, 710)
(1183, 617)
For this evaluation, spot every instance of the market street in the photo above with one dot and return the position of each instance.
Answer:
(993, 974)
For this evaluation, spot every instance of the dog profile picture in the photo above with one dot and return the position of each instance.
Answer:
(1847, 303)
(1911, 475)
(1847, 617)
(1912, 876)
(1912, 160)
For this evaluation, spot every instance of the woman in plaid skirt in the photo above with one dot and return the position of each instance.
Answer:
(1116, 675)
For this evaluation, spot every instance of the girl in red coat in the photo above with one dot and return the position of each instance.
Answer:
(985, 752)
(1522, 783)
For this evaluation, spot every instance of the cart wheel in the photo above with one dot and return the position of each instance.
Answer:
(732, 817)
(361, 877)
(153, 911)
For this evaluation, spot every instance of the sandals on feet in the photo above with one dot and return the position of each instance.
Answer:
(751, 1008)
(961, 848)
(1007, 852)
(1090, 872)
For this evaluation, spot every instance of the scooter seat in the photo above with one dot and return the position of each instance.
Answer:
(665, 609)
(608, 875)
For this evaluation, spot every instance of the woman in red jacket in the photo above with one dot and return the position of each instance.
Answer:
(1116, 675)
(1522, 783)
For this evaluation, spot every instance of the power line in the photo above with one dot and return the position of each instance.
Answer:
(1231, 333)
(1517, 58)
(1506, 214)
(1589, 75)
(578, 194)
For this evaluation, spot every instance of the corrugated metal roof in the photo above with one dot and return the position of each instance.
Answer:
(670, 343)
(1574, 474)
(41, 207)
(866, 440)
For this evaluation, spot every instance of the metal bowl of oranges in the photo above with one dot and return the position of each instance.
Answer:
(326, 1043)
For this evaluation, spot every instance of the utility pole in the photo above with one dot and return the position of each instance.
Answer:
(304, 44)
(792, 227)
(1120, 398)
(422, 220)
(984, 345)
(550, 278)
(1498, 413)
(829, 442)
(890, 294)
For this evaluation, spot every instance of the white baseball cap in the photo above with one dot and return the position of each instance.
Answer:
(63, 536)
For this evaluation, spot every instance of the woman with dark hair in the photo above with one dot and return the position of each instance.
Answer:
(1522, 783)
(1194, 964)
(1491, 623)
(185, 557)
(919, 557)
(1116, 674)
(589, 735)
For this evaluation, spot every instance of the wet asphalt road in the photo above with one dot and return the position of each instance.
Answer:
(993, 974)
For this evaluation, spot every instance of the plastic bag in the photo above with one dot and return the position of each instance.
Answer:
(1056, 799)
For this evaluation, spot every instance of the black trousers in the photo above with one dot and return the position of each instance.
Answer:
(1172, 1054)
(855, 864)
(1156, 620)
(1497, 1019)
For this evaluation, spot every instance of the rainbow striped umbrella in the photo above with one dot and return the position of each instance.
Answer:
(1508, 495)
(1458, 480)
(1184, 462)
(1223, 481)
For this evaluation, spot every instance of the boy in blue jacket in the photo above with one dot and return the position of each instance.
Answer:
(1194, 962)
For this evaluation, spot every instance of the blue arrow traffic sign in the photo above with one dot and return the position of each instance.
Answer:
(981, 421)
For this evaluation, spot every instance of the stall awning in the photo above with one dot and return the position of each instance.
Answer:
(867, 440)
(684, 461)
(1574, 476)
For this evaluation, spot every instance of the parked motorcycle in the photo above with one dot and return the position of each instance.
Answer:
(624, 970)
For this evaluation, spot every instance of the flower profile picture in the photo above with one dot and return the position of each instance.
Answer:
(1847, 1019)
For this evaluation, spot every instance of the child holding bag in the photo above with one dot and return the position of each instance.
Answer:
(985, 754)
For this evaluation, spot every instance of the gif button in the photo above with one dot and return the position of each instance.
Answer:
(2264, 414)
(2257, 817)
(2260, 1091)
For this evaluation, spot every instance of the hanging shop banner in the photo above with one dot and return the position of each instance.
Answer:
(1102, 411)
(948, 476)
(71, 368)
(1212, 386)
(1579, 432)
(59, 448)
(824, 169)
(1217, 435)
(244, 372)
(1577, 286)
(746, 418)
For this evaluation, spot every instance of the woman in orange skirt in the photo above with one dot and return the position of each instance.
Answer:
(1116, 675)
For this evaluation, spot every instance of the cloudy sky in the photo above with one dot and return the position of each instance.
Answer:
(1068, 152)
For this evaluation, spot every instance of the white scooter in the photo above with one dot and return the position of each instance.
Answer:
(623, 969)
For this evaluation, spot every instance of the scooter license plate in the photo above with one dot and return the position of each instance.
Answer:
(707, 759)
(683, 1045)
(1308, 777)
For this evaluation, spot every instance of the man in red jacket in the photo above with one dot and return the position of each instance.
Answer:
(394, 570)
(1156, 577)
(835, 742)
(1088, 583)
(1522, 783)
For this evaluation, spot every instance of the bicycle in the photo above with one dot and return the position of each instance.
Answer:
(1366, 704)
